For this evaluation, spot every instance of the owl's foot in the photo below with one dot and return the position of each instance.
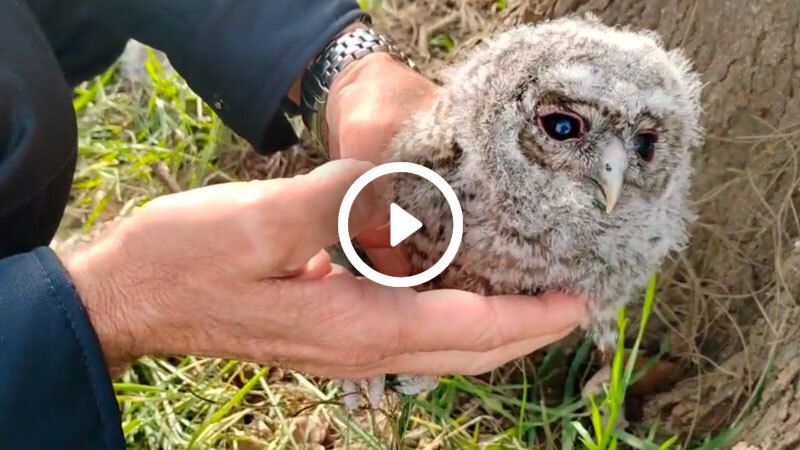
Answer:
(352, 392)
(597, 387)
(375, 387)
(415, 384)
(598, 384)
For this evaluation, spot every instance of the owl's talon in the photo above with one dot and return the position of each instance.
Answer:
(374, 388)
(597, 384)
(415, 384)
(349, 395)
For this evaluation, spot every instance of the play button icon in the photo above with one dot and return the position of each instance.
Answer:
(401, 224)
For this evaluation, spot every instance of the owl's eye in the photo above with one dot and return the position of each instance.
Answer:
(561, 126)
(644, 144)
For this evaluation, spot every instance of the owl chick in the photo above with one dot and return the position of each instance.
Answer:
(567, 143)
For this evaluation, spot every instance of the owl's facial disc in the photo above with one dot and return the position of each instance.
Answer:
(610, 171)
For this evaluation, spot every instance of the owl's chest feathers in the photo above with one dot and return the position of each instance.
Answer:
(529, 243)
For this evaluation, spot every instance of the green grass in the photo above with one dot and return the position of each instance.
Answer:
(605, 414)
(443, 41)
(124, 129)
(203, 403)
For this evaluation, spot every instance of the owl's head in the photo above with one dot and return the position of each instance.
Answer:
(609, 108)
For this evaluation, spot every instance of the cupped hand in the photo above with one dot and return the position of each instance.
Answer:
(239, 271)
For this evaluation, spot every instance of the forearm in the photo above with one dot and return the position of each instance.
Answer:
(54, 388)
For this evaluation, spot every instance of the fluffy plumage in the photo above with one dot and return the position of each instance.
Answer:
(568, 144)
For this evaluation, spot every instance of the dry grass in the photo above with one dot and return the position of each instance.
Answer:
(731, 297)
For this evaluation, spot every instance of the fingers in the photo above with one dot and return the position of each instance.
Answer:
(395, 321)
(389, 261)
(447, 320)
(429, 363)
(466, 363)
(375, 237)
(309, 208)
(363, 329)
(319, 266)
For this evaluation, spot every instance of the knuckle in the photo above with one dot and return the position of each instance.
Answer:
(396, 334)
(262, 197)
(364, 121)
(352, 169)
(358, 120)
(394, 337)
(393, 333)
(261, 225)
(492, 335)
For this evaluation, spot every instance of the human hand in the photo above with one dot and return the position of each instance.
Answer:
(238, 270)
(369, 102)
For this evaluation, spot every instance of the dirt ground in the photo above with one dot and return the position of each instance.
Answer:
(728, 311)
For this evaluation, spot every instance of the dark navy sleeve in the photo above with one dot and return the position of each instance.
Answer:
(240, 56)
(55, 391)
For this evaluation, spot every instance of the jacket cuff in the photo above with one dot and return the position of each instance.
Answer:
(55, 389)
(247, 87)
(294, 61)
(240, 56)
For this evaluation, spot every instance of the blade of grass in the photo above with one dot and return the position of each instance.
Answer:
(80, 102)
(226, 408)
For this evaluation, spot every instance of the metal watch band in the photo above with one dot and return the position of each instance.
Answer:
(331, 61)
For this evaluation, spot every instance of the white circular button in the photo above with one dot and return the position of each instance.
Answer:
(455, 210)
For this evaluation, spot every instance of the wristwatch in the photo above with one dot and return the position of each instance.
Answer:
(319, 76)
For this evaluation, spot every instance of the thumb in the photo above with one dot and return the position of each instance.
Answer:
(314, 202)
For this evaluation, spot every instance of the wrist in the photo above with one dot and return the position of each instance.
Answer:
(371, 99)
(95, 273)
(295, 89)
(338, 57)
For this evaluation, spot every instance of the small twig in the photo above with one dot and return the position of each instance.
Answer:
(201, 398)
(337, 400)
(426, 31)
(161, 171)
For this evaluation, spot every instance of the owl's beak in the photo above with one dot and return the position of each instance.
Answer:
(611, 167)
